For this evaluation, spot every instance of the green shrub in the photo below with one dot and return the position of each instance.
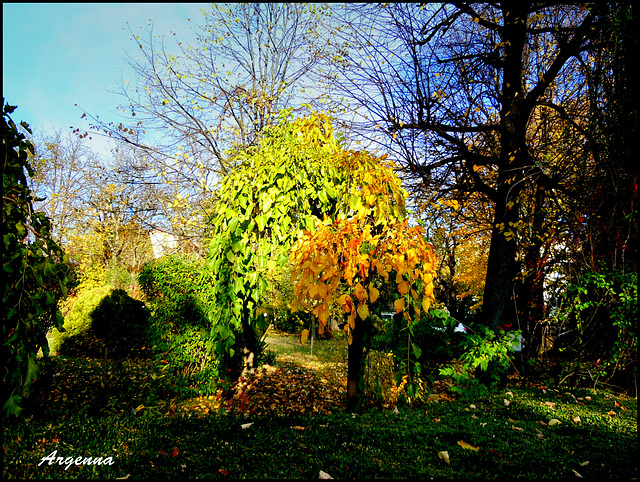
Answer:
(484, 362)
(120, 322)
(177, 290)
(429, 341)
(76, 311)
(419, 351)
(290, 322)
(599, 311)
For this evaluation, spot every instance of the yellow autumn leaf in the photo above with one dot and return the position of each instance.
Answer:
(303, 336)
(467, 446)
(444, 455)
(399, 305)
(351, 319)
(363, 311)
(323, 314)
(403, 287)
(373, 293)
(426, 303)
(360, 292)
(345, 302)
(313, 291)
(428, 291)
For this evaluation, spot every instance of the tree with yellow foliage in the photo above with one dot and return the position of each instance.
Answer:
(346, 259)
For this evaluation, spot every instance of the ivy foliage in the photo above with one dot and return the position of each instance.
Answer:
(34, 268)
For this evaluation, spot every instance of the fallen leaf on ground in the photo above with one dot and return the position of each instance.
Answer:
(444, 455)
(553, 421)
(246, 425)
(467, 446)
(513, 427)
(324, 475)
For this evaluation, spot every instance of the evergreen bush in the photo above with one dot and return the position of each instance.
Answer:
(121, 321)
(77, 321)
(178, 292)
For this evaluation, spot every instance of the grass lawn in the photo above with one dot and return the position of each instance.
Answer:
(288, 421)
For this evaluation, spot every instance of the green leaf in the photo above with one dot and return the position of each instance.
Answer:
(12, 405)
(417, 351)
(237, 246)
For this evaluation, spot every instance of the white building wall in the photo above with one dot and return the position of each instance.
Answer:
(163, 243)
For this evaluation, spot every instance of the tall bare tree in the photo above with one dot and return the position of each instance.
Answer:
(454, 91)
(248, 61)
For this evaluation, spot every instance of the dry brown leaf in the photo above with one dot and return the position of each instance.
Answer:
(584, 464)
(324, 475)
(577, 419)
(513, 427)
(611, 413)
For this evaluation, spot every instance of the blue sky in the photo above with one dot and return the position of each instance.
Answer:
(56, 55)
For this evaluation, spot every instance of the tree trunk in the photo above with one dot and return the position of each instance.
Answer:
(250, 343)
(498, 306)
(502, 265)
(355, 364)
(531, 293)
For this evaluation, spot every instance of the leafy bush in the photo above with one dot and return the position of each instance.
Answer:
(290, 322)
(484, 362)
(121, 322)
(178, 291)
(599, 311)
(379, 379)
(76, 311)
(419, 349)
